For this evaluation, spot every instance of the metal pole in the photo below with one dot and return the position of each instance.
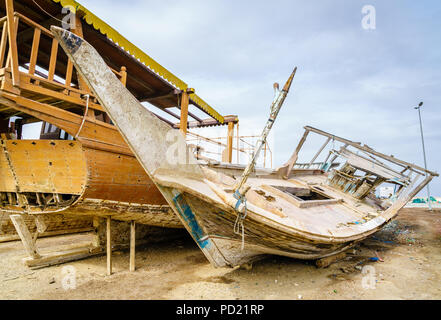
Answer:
(424, 151)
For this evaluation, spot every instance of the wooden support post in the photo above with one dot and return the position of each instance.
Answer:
(25, 235)
(123, 73)
(12, 35)
(237, 143)
(34, 52)
(96, 238)
(184, 112)
(109, 247)
(79, 32)
(230, 142)
(132, 245)
(69, 71)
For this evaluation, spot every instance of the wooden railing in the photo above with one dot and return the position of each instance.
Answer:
(48, 72)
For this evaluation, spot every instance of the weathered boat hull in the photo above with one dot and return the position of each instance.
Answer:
(65, 177)
(259, 238)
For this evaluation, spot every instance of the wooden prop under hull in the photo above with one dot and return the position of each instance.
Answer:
(56, 224)
(278, 220)
(65, 177)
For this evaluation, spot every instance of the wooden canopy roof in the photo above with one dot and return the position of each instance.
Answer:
(146, 78)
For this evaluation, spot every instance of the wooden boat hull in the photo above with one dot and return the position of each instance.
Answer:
(260, 238)
(55, 176)
(300, 216)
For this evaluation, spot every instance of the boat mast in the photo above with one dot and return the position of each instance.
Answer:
(275, 108)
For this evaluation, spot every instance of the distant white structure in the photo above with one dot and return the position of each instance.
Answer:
(386, 192)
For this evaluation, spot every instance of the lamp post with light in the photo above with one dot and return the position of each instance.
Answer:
(424, 151)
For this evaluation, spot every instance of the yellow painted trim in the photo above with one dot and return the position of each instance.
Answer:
(144, 58)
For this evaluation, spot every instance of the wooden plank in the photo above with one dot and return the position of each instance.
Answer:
(12, 35)
(25, 235)
(56, 258)
(53, 60)
(14, 237)
(3, 44)
(109, 246)
(34, 52)
(132, 245)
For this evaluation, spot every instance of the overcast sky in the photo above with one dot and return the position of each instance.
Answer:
(356, 83)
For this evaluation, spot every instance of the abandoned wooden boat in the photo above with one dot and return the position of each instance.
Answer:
(305, 211)
(81, 164)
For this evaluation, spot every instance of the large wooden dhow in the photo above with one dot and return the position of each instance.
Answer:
(81, 165)
(305, 211)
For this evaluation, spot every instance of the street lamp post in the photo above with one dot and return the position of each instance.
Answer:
(424, 151)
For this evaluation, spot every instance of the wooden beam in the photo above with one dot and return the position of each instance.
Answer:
(230, 142)
(209, 122)
(159, 96)
(3, 43)
(199, 120)
(14, 237)
(326, 262)
(171, 113)
(59, 257)
(25, 235)
(9, 56)
(109, 246)
(319, 152)
(367, 149)
(184, 112)
(13, 41)
(286, 168)
(132, 245)
(34, 51)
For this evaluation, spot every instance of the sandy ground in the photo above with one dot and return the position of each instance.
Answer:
(410, 247)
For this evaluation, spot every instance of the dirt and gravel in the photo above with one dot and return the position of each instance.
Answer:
(408, 266)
